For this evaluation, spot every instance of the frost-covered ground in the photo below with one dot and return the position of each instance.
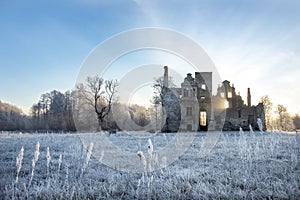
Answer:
(239, 166)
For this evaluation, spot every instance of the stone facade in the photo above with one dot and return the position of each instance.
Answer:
(192, 107)
(238, 114)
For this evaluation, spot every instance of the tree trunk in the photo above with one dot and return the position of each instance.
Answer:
(100, 123)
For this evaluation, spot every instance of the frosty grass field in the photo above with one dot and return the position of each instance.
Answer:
(240, 166)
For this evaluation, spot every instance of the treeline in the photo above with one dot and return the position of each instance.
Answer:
(277, 117)
(12, 118)
(54, 113)
(89, 107)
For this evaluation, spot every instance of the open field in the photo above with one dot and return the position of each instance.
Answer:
(239, 166)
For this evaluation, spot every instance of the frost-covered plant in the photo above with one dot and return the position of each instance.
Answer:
(149, 186)
(150, 152)
(164, 135)
(59, 162)
(142, 159)
(240, 166)
(260, 125)
(67, 178)
(251, 129)
(34, 160)
(19, 163)
(88, 157)
(37, 152)
(241, 130)
(164, 162)
(48, 157)
(101, 156)
(150, 148)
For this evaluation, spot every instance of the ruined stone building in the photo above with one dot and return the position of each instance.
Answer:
(192, 107)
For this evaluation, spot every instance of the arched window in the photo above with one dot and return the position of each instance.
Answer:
(202, 118)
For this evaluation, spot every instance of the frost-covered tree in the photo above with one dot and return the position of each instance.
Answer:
(12, 118)
(54, 112)
(139, 114)
(69, 109)
(158, 86)
(98, 94)
(284, 120)
(268, 107)
(44, 103)
(155, 114)
(166, 96)
(296, 120)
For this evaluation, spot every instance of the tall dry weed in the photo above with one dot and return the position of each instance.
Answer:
(19, 163)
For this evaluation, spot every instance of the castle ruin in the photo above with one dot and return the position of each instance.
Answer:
(192, 107)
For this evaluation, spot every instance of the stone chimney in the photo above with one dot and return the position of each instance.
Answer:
(166, 77)
(249, 98)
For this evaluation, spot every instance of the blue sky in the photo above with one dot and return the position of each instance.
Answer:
(252, 43)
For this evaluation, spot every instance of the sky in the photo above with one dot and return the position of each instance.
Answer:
(253, 43)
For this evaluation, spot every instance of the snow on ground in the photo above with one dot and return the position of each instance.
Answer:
(239, 166)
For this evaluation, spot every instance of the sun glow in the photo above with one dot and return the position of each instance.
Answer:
(142, 96)
(226, 104)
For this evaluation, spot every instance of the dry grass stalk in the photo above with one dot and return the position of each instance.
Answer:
(142, 159)
(88, 157)
(48, 157)
(34, 160)
(19, 163)
(59, 162)
(150, 148)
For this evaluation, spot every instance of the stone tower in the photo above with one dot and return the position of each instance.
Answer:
(249, 98)
(166, 77)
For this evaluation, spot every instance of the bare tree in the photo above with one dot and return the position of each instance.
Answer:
(99, 94)
(158, 86)
(268, 107)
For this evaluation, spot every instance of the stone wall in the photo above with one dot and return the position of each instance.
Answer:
(243, 117)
